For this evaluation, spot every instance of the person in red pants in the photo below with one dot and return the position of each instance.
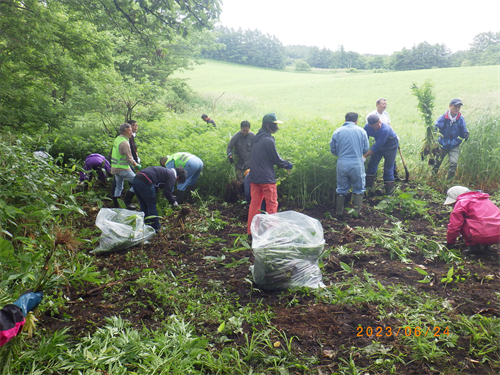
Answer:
(474, 216)
(263, 158)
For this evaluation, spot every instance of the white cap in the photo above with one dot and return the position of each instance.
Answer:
(453, 193)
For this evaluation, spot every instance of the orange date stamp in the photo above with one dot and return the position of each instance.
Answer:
(406, 331)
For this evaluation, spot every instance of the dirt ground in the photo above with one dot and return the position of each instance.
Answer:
(320, 329)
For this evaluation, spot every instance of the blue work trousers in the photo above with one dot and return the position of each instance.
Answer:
(146, 194)
(193, 169)
(389, 156)
(350, 172)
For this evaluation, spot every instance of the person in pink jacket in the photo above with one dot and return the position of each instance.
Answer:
(474, 216)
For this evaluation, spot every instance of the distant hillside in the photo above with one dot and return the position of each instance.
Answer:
(331, 95)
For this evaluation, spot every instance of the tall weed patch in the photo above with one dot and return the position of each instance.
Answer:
(479, 163)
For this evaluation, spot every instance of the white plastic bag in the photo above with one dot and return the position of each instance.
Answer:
(287, 247)
(121, 229)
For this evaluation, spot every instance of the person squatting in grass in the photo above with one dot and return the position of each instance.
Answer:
(145, 184)
(349, 143)
(381, 105)
(99, 164)
(242, 144)
(263, 158)
(451, 125)
(474, 216)
(193, 166)
(385, 146)
(208, 120)
(12, 316)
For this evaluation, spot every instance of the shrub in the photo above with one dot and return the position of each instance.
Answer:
(302, 66)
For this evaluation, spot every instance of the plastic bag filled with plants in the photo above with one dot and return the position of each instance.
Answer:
(287, 247)
(121, 229)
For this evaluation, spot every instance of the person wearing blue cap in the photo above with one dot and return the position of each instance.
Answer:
(12, 316)
(451, 125)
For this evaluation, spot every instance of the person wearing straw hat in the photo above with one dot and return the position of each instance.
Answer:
(474, 216)
(263, 158)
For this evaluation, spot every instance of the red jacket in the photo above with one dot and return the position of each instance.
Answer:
(476, 218)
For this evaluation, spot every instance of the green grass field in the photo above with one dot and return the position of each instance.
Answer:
(310, 95)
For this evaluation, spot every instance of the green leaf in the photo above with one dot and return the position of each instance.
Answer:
(421, 271)
(345, 267)
(6, 249)
(449, 275)
(221, 327)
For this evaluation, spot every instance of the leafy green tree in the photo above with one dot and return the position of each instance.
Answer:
(73, 54)
(485, 49)
(248, 47)
(302, 66)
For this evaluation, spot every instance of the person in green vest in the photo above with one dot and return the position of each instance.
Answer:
(193, 166)
(121, 160)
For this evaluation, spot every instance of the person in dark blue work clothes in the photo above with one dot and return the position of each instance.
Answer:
(385, 146)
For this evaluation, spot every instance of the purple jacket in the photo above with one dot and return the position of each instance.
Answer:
(98, 163)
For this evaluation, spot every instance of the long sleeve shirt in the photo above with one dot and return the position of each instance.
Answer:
(385, 138)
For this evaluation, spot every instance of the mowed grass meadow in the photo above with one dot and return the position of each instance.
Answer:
(312, 105)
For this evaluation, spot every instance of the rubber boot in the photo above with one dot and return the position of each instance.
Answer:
(369, 180)
(128, 200)
(340, 204)
(180, 197)
(389, 187)
(358, 200)
(450, 176)
(115, 202)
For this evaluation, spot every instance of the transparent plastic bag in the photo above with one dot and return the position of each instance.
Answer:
(287, 247)
(121, 229)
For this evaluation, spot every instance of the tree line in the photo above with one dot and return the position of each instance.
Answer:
(255, 48)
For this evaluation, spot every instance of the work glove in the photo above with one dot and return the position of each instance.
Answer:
(363, 158)
(138, 167)
(29, 301)
(231, 160)
(288, 166)
(466, 136)
(175, 204)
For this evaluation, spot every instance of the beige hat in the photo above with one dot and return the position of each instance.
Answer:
(453, 193)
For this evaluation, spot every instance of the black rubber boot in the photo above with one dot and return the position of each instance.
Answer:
(115, 202)
(369, 180)
(358, 200)
(180, 197)
(450, 176)
(340, 205)
(128, 200)
(389, 187)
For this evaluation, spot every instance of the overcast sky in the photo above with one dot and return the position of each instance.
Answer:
(366, 26)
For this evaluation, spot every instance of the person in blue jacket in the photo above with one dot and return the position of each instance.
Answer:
(385, 146)
(451, 125)
(349, 143)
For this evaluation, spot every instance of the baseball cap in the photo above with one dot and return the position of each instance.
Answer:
(453, 193)
(456, 102)
(373, 119)
(271, 117)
